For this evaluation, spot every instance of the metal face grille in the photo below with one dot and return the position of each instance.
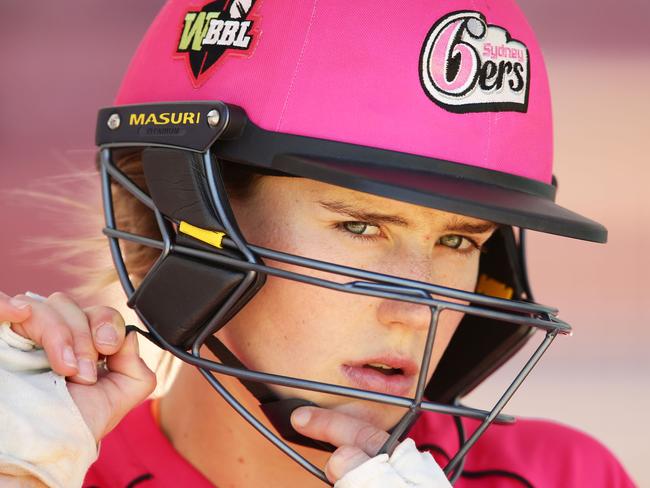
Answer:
(437, 298)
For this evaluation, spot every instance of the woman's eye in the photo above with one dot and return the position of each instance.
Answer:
(456, 242)
(361, 229)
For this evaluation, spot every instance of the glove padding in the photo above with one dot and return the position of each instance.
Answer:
(406, 468)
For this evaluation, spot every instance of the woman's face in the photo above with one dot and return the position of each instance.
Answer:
(310, 332)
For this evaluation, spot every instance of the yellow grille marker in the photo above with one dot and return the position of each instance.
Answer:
(491, 287)
(211, 237)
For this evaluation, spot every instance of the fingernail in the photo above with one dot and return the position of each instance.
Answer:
(300, 417)
(87, 370)
(136, 344)
(35, 296)
(68, 357)
(107, 335)
(18, 303)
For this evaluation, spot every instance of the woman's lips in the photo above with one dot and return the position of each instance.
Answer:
(366, 378)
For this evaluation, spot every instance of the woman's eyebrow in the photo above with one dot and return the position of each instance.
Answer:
(363, 215)
(456, 224)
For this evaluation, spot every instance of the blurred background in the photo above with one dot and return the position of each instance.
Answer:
(63, 60)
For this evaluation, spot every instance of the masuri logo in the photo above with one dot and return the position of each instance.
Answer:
(208, 33)
(165, 118)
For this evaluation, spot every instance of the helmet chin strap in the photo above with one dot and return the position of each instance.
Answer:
(277, 410)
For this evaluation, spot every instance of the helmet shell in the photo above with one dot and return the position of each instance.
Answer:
(365, 73)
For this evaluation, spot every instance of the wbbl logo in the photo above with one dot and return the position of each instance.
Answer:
(207, 34)
(468, 65)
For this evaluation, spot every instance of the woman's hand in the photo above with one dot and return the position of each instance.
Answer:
(357, 441)
(355, 463)
(73, 340)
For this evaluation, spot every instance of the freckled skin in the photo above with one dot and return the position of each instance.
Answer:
(289, 325)
(309, 332)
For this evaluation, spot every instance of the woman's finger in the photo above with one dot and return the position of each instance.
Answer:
(344, 460)
(83, 344)
(338, 429)
(126, 383)
(107, 328)
(129, 380)
(13, 310)
(48, 329)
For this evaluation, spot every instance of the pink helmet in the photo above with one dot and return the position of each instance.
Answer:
(458, 82)
(440, 104)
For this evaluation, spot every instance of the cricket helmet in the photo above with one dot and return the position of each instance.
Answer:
(440, 104)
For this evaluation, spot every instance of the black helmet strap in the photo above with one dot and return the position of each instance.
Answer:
(276, 409)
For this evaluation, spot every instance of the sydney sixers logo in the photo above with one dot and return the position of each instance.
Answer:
(468, 65)
(219, 27)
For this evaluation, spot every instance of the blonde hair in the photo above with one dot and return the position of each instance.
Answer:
(133, 216)
(77, 246)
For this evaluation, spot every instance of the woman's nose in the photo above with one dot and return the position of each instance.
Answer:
(416, 264)
(404, 314)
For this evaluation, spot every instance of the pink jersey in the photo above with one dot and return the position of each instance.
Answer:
(529, 453)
